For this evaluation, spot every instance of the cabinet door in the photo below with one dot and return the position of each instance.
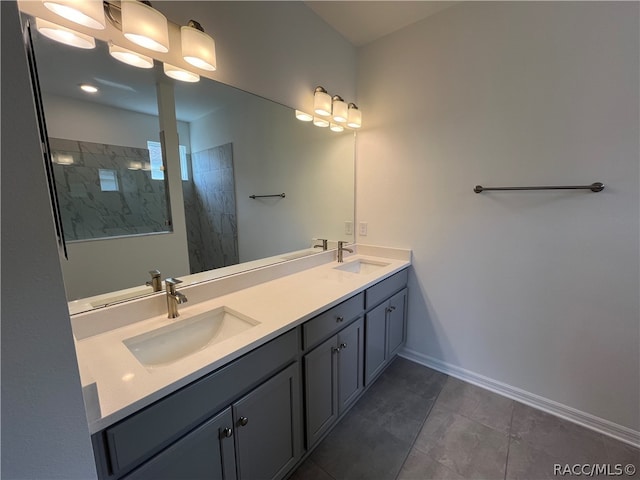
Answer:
(268, 427)
(321, 392)
(396, 322)
(205, 453)
(375, 342)
(350, 368)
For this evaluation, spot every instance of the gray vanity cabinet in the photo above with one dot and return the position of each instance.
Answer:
(241, 419)
(333, 379)
(207, 452)
(385, 324)
(258, 437)
(267, 428)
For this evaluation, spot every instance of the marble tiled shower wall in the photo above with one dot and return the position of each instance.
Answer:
(210, 210)
(137, 206)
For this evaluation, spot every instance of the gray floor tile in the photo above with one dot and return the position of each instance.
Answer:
(558, 438)
(414, 377)
(526, 462)
(419, 466)
(310, 471)
(470, 449)
(395, 409)
(476, 403)
(358, 449)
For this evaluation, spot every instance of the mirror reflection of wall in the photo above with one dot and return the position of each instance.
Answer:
(232, 145)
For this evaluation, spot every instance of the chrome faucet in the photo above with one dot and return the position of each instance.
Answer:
(174, 298)
(156, 280)
(342, 249)
(324, 245)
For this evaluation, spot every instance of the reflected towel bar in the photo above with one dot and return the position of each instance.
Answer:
(281, 195)
(594, 187)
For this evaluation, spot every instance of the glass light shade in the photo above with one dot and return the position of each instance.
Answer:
(64, 35)
(354, 119)
(130, 57)
(322, 103)
(145, 26)
(198, 48)
(336, 128)
(89, 13)
(320, 122)
(181, 74)
(304, 117)
(340, 111)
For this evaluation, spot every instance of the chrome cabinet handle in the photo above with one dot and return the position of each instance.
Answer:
(342, 346)
(243, 421)
(339, 319)
(390, 309)
(335, 349)
(227, 432)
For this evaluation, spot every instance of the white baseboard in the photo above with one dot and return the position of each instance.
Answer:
(606, 427)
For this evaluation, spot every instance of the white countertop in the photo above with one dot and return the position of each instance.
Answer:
(124, 385)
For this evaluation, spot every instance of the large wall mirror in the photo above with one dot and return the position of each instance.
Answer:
(129, 207)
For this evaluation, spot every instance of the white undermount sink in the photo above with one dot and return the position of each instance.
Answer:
(361, 266)
(182, 338)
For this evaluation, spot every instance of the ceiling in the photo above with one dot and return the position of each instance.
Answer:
(362, 22)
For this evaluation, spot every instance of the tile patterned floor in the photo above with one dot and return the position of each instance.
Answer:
(418, 424)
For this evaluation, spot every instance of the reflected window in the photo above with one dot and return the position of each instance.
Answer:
(157, 168)
(108, 180)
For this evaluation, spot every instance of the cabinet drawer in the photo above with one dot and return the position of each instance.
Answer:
(383, 290)
(146, 432)
(329, 322)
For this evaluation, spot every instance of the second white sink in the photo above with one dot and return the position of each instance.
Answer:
(361, 266)
(182, 338)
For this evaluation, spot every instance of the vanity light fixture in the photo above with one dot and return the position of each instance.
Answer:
(64, 35)
(339, 109)
(354, 118)
(198, 48)
(89, 13)
(145, 26)
(85, 87)
(181, 74)
(303, 117)
(321, 102)
(320, 122)
(130, 57)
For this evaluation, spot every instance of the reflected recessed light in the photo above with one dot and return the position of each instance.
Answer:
(85, 87)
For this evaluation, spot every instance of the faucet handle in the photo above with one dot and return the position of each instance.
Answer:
(170, 284)
(154, 273)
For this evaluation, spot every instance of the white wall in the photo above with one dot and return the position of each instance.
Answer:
(535, 290)
(115, 263)
(274, 153)
(44, 427)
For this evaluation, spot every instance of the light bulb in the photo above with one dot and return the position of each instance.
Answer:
(198, 48)
(64, 35)
(89, 13)
(339, 109)
(321, 102)
(145, 26)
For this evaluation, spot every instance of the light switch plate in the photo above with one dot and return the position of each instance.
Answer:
(363, 228)
(348, 228)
